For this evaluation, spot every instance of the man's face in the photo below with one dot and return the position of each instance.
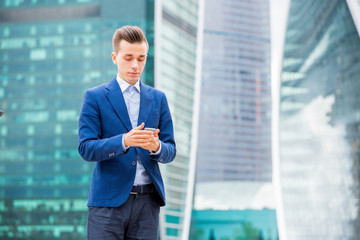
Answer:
(130, 60)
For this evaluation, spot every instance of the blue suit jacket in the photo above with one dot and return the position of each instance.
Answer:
(103, 121)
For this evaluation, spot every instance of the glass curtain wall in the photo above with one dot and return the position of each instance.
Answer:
(234, 138)
(234, 134)
(320, 122)
(50, 53)
(175, 75)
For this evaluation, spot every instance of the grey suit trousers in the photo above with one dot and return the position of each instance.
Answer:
(136, 219)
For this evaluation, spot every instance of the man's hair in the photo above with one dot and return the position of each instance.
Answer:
(131, 34)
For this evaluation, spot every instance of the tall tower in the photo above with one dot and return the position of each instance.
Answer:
(233, 159)
(234, 136)
(50, 52)
(319, 122)
(234, 140)
(175, 60)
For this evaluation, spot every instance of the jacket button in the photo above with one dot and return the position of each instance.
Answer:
(133, 163)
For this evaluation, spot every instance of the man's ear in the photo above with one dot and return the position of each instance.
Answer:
(113, 56)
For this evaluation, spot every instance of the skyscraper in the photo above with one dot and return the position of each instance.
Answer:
(319, 122)
(50, 52)
(234, 137)
(233, 159)
(175, 52)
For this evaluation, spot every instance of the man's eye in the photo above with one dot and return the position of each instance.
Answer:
(128, 59)
(140, 60)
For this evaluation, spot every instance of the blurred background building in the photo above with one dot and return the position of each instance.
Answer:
(234, 142)
(320, 121)
(50, 53)
(233, 159)
(245, 211)
(175, 61)
(234, 224)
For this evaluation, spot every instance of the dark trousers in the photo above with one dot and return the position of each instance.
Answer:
(137, 218)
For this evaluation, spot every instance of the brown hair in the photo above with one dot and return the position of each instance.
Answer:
(131, 34)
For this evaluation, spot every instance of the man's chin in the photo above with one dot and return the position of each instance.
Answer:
(131, 80)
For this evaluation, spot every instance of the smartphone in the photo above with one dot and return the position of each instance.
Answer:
(150, 129)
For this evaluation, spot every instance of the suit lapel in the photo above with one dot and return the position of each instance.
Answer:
(116, 99)
(146, 102)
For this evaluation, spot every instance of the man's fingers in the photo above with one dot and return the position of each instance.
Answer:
(141, 126)
(142, 138)
(142, 133)
(156, 132)
(144, 145)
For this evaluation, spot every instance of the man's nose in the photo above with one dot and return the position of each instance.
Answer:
(134, 64)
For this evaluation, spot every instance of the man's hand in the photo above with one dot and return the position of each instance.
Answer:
(142, 138)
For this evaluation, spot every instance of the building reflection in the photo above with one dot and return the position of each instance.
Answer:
(50, 52)
(320, 122)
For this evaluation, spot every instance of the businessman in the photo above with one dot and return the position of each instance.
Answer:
(127, 189)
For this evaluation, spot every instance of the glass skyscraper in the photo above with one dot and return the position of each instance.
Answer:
(234, 136)
(234, 140)
(234, 129)
(175, 60)
(320, 123)
(50, 53)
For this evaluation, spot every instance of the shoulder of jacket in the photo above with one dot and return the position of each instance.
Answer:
(97, 89)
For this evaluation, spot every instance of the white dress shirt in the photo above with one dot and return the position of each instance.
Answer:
(132, 101)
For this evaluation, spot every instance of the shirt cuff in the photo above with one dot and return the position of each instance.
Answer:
(123, 145)
(157, 152)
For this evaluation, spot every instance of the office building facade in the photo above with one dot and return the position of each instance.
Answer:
(175, 51)
(319, 122)
(234, 224)
(233, 159)
(234, 136)
(50, 53)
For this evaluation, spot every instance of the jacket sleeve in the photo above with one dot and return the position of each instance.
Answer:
(91, 145)
(166, 135)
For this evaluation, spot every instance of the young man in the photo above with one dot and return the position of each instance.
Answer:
(127, 188)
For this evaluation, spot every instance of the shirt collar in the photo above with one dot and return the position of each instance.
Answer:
(124, 85)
